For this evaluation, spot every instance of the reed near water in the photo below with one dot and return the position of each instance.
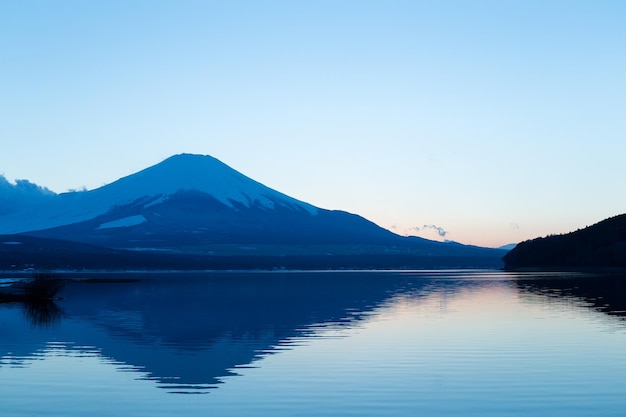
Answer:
(42, 287)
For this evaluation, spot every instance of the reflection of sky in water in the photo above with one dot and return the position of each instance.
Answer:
(454, 347)
(421, 357)
(71, 382)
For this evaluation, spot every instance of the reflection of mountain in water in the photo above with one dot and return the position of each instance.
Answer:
(186, 332)
(602, 292)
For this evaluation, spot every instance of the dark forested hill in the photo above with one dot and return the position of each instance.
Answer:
(602, 245)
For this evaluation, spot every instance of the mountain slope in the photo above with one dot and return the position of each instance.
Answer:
(194, 204)
(189, 200)
(151, 186)
(602, 245)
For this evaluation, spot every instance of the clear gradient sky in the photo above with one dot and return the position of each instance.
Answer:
(495, 121)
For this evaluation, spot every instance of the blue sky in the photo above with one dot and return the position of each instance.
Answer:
(495, 121)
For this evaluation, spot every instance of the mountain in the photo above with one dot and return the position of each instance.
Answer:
(197, 205)
(508, 247)
(153, 186)
(602, 245)
(21, 195)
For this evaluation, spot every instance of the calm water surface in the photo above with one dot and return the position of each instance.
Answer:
(452, 343)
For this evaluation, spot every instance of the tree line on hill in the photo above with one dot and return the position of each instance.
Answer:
(601, 246)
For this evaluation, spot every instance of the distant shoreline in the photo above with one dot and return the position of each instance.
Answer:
(7, 274)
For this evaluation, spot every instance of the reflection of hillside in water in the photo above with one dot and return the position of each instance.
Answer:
(187, 332)
(605, 293)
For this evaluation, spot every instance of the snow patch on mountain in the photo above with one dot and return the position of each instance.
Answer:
(125, 222)
(156, 201)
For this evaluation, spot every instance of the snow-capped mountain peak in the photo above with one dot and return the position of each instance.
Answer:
(196, 205)
(151, 186)
(191, 172)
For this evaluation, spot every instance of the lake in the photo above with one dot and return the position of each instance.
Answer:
(404, 343)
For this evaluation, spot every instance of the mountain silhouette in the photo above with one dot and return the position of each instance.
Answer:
(602, 245)
(196, 205)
